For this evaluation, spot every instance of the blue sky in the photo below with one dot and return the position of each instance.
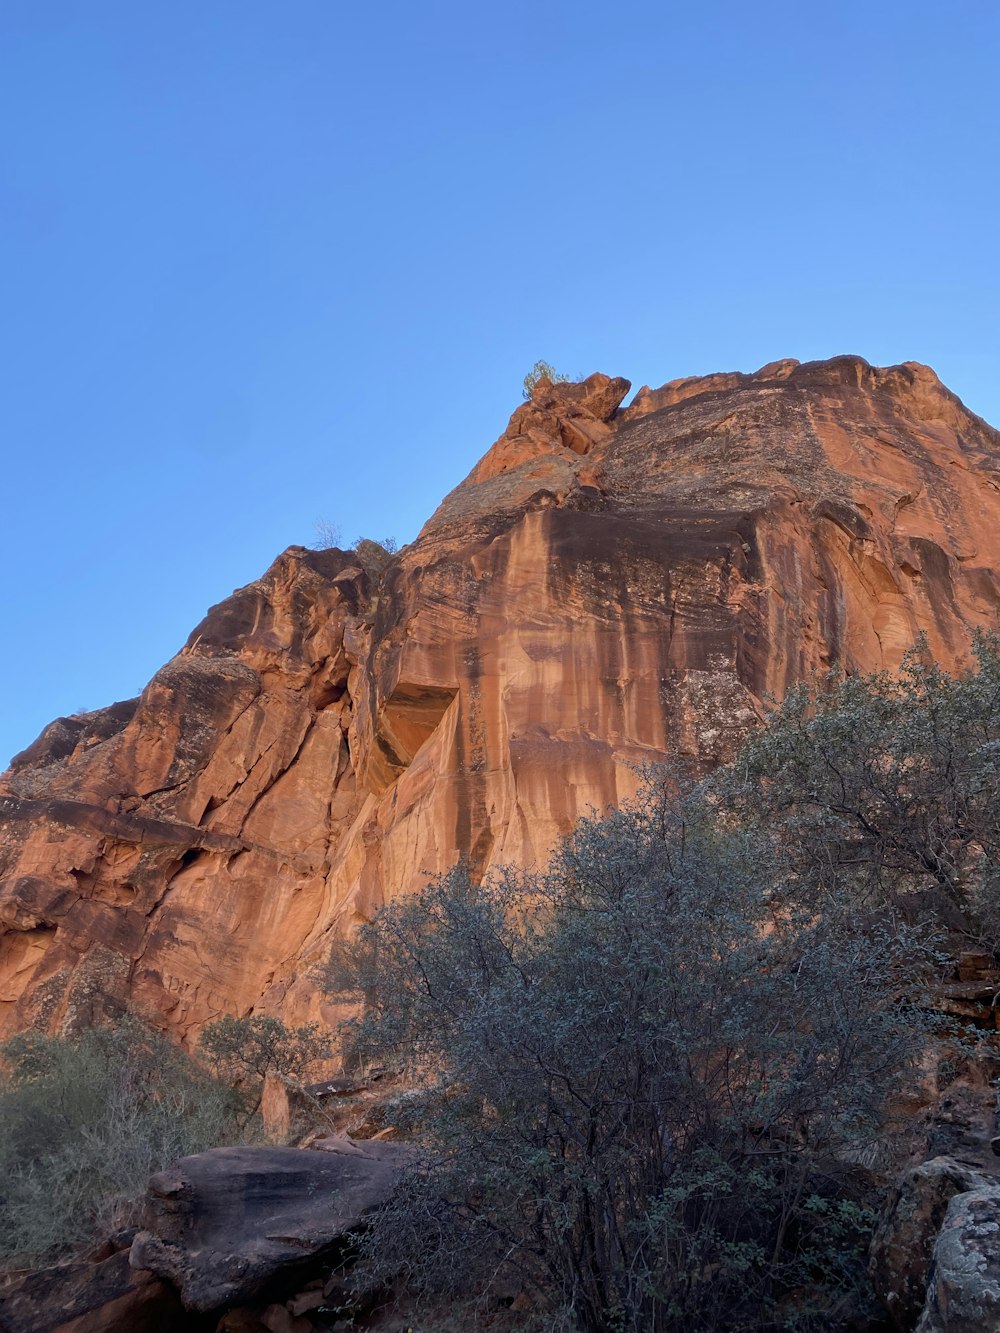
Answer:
(263, 263)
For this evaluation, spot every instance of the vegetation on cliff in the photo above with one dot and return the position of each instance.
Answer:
(658, 1086)
(541, 370)
(887, 784)
(656, 1083)
(84, 1123)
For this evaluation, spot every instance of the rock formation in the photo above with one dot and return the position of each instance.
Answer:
(607, 587)
(903, 1245)
(227, 1225)
(228, 1228)
(964, 1291)
(96, 1294)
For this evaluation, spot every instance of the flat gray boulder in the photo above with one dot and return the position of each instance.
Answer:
(227, 1225)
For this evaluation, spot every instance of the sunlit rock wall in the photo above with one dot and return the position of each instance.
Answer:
(609, 586)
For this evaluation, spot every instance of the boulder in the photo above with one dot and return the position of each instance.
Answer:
(964, 1291)
(93, 1297)
(289, 1111)
(232, 1225)
(904, 1239)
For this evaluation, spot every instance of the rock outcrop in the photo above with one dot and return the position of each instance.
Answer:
(903, 1245)
(964, 1291)
(100, 1295)
(226, 1226)
(607, 587)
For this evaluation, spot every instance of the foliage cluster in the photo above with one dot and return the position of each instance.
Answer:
(541, 370)
(887, 785)
(245, 1050)
(645, 1078)
(85, 1121)
(370, 549)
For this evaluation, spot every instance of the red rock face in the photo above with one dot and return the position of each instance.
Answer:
(607, 587)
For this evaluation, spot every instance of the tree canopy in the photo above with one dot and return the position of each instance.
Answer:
(643, 1080)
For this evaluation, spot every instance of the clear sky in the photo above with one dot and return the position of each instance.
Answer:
(263, 262)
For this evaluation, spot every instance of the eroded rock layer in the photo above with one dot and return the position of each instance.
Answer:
(608, 586)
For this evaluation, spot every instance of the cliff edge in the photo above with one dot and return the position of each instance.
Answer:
(608, 586)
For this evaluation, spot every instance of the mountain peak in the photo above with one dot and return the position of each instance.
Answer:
(610, 585)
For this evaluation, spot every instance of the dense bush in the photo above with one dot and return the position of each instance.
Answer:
(85, 1121)
(886, 786)
(644, 1079)
(246, 1050)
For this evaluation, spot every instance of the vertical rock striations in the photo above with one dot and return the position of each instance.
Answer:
(607, 587)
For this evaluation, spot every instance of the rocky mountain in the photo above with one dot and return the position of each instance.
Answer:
(608, 586)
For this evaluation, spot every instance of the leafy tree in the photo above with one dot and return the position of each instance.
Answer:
(85, 1121)
(886, 786)
(248, 1049)
(541, 370)
(643, 1079)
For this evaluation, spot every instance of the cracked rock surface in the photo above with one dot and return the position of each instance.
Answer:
(964, 1291)
(225, 1226)
(608, 586)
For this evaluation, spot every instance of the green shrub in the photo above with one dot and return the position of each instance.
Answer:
(85, 1121)
(643, 1079)
(886, 786)
(541, 370)
(374, 556)
(246, 1050)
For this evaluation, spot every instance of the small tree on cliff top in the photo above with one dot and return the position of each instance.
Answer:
(328, 535)
(541, 370)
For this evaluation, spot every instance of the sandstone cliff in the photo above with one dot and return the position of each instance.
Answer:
(607, 586)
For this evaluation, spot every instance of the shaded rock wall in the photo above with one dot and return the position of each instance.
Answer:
(608, 586)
